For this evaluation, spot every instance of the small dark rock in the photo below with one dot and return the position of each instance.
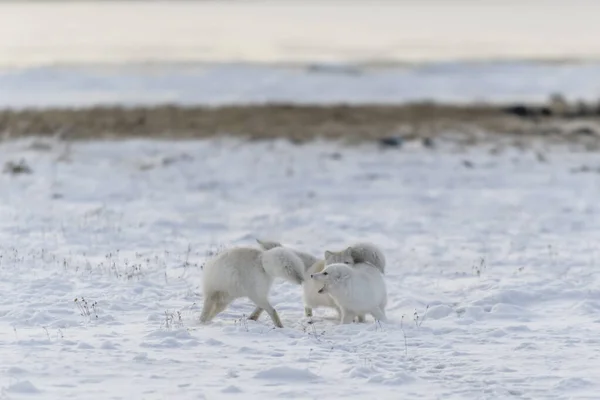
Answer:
(583, 168)
(166, 161)
(467, 164)
(428, 142)
(523, 111)
(17, 168)
(541, 157)
(392, 141)
(495, 150)
(519, 110)
(373, 176)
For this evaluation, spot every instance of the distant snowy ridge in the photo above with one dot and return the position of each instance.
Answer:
(222, 84)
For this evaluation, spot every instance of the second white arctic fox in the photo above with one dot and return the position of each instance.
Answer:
(247, 272)
(360, 252)
(356, 290)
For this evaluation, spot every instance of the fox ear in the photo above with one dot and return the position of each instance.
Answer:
(328, 253)
(348, 251)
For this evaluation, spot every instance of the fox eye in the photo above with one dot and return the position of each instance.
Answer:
(325, 273)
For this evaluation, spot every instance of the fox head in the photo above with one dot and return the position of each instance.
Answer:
(341, 257)
(331, 275)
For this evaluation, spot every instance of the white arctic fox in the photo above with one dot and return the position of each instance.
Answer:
(356, 290)
(360, 252)
(247, 272)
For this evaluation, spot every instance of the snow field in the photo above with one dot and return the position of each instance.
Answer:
(491, 277)
(215, 84)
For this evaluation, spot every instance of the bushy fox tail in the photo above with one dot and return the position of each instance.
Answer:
(368, 252)
(280, 262)
(307, 259)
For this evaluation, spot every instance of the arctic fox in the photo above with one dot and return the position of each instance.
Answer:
(356, 290)
(247, 272)
(357, 253)
(361, 252)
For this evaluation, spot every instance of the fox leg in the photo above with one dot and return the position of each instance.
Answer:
(338, 310)
(264, 304)
(210, 301)
(347, 317)
(256, 314)
(379, 314)
(222, 302)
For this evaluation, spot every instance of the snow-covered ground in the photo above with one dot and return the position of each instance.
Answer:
(502, 248)
(217, 84)
(493, 292)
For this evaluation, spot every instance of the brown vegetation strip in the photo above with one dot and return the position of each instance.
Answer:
(296, 122)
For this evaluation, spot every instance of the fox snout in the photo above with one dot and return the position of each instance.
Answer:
(319, 276)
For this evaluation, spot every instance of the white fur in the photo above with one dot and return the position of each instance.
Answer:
(307, 259)
(357, 290)
(247, 272)
(310, 291)
(361, 252)
(280, 262)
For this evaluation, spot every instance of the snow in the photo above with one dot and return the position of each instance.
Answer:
(493, 291)
(227, 84)
(491, 264)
